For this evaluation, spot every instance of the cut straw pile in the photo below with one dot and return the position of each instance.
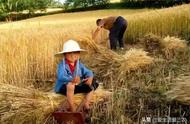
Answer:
(137, 58)
(180, 90)
(21, 106)
(172, 45)
(151, 43)
(169, 46)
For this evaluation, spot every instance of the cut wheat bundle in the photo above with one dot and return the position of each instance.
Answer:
(180, 90)
(168, 46)
(20, 105)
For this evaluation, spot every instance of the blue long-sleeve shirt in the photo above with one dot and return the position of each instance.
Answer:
(65, 76)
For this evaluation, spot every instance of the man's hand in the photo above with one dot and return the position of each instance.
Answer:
(96, 32)
(76, 80)
(88, 81)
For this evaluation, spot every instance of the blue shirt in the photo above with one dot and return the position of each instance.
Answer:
(64, 75)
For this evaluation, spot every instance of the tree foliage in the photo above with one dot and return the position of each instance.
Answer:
(84, 3)
(9, 6)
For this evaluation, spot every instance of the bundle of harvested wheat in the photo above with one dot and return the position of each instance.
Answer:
(21, 106)
(173, 45)
(105, 64)
(170, 43)
(168, 46)
(151, 43)
(136, 58)
(112, 67)
(180, 90)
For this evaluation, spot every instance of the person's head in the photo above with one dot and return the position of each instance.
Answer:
(72, 56)
(71, 50)
(98, 22)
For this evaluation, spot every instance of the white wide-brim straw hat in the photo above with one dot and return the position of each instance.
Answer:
(70, 46)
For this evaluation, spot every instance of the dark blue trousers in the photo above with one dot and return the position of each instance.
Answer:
(82, 88)
(116, 33)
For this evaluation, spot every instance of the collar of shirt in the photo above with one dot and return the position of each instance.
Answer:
(71, 67)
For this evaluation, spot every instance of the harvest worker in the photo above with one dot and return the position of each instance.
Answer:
(116, 25)
(73, 77)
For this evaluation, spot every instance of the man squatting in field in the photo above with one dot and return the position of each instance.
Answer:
(73, 77)
(116, 26)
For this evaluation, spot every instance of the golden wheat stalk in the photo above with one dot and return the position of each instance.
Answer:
(21, 105)
(180, 90)
(168, 46)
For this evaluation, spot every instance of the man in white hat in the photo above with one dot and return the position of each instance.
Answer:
(73, 77)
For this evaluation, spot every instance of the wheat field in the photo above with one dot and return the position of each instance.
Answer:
(27, 59)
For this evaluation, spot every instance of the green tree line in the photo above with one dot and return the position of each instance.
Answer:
(9, 6)
(83, 3)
